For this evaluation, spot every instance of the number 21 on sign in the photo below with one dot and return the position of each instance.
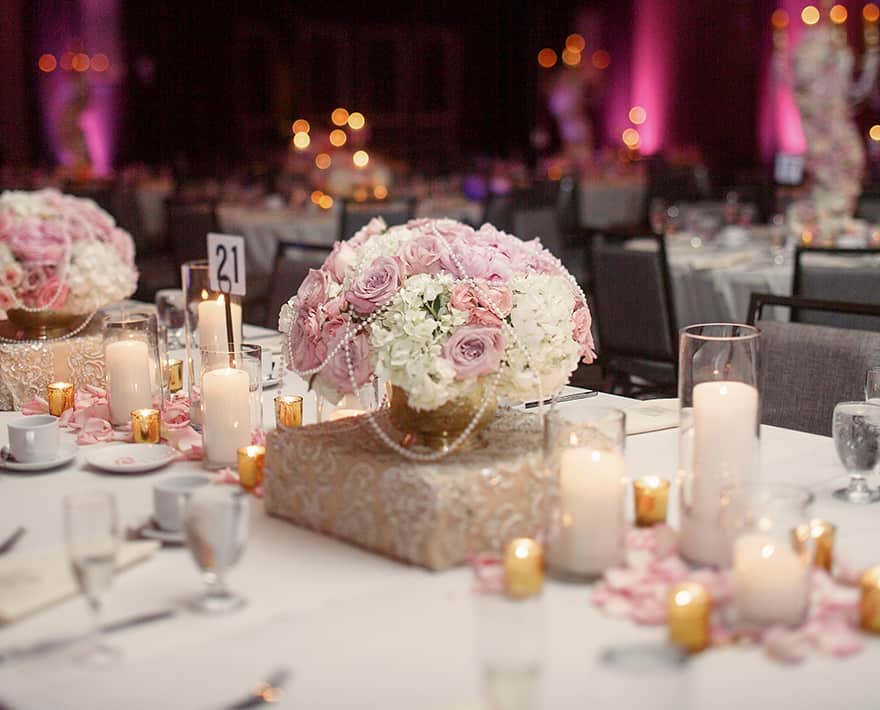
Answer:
(226, 264)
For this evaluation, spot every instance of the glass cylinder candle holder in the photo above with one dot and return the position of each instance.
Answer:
(586, 532)
(288, 411)
(230, 404)
(719, 397)
(145, 426)
(131, 364)
(205, 324)
(770, 574)
(61, 397)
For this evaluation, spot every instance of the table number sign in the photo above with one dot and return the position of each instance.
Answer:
(226, 267)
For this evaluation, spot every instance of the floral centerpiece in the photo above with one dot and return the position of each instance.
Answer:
(439, 310)
(60, 253)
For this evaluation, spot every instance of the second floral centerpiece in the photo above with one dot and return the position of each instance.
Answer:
(451, 318)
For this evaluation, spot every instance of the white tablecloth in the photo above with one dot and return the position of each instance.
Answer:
(358, 630)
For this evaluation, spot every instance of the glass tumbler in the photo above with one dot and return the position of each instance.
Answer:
(720, 409)
(587, 529)
(769, 551)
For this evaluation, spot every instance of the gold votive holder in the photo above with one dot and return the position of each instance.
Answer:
(651, 500)
(145, 426)
(288, 411)
(250, 466)
(869, 603)
(687, 616)
(60, 396)
(174, 374)
(821, 533)
(524, 567)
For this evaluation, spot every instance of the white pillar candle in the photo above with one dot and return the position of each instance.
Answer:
(770, 581)
(226, 414)
(725, 448)
(591, 494)
(212, 324)
(127, 364)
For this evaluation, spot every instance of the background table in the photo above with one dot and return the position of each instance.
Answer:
(358, 630)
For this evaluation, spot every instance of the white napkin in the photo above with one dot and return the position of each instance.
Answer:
(651, 415)
(31, 581)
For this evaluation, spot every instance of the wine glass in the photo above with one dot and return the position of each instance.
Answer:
(91, 528)
(872, 385)
(856, 431)
(216, 525)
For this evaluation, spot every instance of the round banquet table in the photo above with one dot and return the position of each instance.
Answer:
(359, 630)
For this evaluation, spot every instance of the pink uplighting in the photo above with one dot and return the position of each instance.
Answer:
(653, 48)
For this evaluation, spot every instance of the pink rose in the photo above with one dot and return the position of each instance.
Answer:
(12, 275)
(7, 298)
(340, 259)
(313, 290)
(336, 371)
(333, 307)
(376, 285)
(422, 255)
(305, 337)
(487, 305)
(39, 241)
(52, 294)
(474, 351)
(374, 227)
(582, 333)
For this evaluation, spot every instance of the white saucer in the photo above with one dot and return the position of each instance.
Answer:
(66, 453)
(151, 531)
(271, 382)
(131, 458)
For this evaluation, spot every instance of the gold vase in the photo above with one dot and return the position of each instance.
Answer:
(439, 428)
(39, 325)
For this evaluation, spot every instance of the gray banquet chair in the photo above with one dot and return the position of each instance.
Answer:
(851, 275)
(634, 313)
(356, 215)
(292, 264)
(807, 369)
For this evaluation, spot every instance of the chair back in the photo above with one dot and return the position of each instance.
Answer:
(851, 275)
(188, 226)
(807, 369)
(357, 215)
(632, 299)
(541, 222)
(868, 208)
(498, 211)
(292, 265)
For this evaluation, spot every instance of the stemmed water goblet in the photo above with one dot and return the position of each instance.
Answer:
(872, 385)
(856, 431)
(216, 525)
(91, 528)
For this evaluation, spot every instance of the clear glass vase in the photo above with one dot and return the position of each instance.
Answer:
(719, 396)
(587, 528)
(769, 549)
(133, 375)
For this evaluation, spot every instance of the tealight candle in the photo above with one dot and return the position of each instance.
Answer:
(60, 396)
(226, 421)
(651, 500)
(822, 534)
(129, 385)
(174, 374)
(687, 616)
(145, 426)
(771, 581)
(869, 603)
(250, 466)
(288, 411)
(524, 567)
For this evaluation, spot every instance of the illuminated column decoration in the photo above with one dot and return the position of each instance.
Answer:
(654, 44)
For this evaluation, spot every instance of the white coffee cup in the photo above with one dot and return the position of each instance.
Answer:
(34, 438)
(169, 498)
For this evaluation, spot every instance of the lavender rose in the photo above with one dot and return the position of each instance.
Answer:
(313, 289)
(474, 351)
(376, 285)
